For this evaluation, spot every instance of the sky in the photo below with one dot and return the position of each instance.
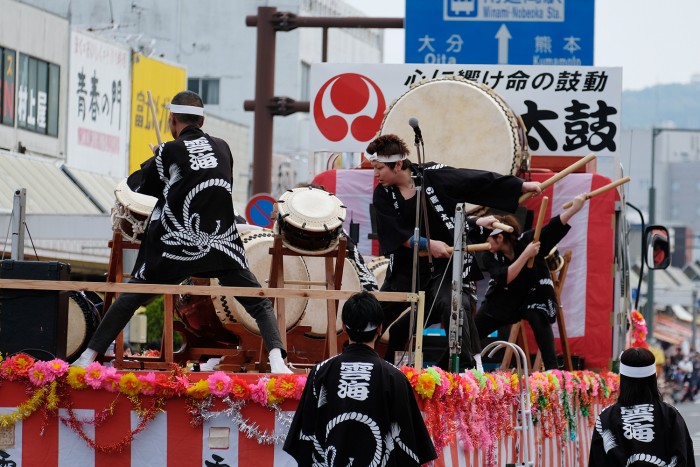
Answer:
(654, 42)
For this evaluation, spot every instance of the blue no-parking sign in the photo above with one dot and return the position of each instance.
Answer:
(258, 211)
(514, 32)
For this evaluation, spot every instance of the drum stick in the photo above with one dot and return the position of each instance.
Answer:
(556, 177)
(472, 247)
(156, 124)
(600, 190)
(502, 226)
(538, 228)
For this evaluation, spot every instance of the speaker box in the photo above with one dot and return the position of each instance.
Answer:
(34, 321)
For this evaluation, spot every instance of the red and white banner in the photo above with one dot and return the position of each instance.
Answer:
(171, 441)
(568, 110)
(587, 298)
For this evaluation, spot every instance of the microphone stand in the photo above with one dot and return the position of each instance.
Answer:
(420, 206)
(457, 310)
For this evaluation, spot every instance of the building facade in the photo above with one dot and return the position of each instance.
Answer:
(212, 40)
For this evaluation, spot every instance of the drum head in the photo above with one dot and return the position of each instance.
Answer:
(83, 319)
(310, 220)
(378, 267)
(316, 313)
(311, 209)
(257, 244)
(464, 124)
(134, 202)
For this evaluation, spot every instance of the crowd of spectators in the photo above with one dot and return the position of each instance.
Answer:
(682, 376)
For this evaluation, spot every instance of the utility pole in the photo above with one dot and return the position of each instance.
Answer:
(266, 105)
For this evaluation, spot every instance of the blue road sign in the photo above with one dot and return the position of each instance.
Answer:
(513, 32)
(258, 211)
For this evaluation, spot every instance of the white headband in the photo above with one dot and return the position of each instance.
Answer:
(368, 328)
(186, 109)
(637, 371)
(495, 232)
(383, 158)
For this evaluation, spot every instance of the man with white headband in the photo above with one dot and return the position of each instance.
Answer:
(356, 408)
(640, 429)
(192, 229)
(394, 202)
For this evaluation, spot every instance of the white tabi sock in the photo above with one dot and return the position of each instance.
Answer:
(85, 358)
(277, 364)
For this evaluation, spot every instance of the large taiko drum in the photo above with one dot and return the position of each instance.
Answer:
(316, 312)
(464, 124)
(310, 220)
(83, 319)
(131, 212)
(257, 244)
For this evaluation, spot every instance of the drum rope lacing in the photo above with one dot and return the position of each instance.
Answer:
(121, 212)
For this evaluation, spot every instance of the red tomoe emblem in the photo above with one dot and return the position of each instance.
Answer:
(349, 103)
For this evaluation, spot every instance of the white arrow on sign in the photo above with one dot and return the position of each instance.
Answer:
(503, 36)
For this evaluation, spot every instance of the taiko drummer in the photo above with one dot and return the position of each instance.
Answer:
(445, 187)
(192, 230)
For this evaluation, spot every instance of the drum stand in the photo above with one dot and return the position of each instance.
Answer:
(517, 330)
(334, 278)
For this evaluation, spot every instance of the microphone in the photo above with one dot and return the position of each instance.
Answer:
(413, 122)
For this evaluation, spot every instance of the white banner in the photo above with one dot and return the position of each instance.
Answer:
(567, 110)
(99, 96)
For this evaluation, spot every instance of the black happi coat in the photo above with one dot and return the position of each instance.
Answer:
(192, 230)
(445, 187)
(641, 435)
(533, 287)
(357, 409)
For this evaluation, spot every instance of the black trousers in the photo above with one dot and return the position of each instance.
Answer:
(439, 297)
(486, 323)
(123, 308)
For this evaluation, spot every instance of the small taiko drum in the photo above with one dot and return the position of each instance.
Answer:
(131, 212)
(199, 316)
(310, 220)
(465, 124)
(378, 266)
(257, 244)
(316, 312)
(83, 319)
(554, 260)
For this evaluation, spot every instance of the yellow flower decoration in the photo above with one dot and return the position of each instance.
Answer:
(514, 381)
(425, 386)
(76, 377)
(272, 398)
(199, 390)
(129, 384)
